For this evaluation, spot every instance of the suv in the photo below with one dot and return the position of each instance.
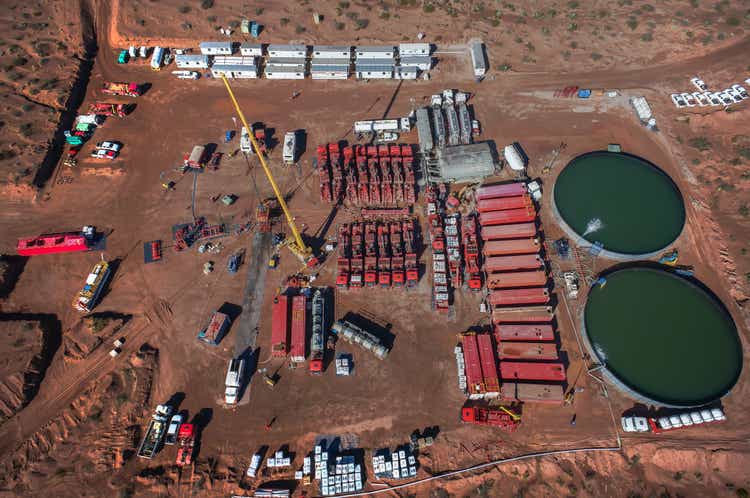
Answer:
(725, 98)
(104, 154)
(113, 146)
(702, 101)
(679, 102)
(713, 99)
(699, 84)
(173, 429)
(741, 90)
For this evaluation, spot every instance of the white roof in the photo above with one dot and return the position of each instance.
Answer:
(287, 48)
(251, 45)
(300, 68)
(374, 48)
(331, 48)
(379, 61)
(216, 44)
(234, 68)
(287, 60)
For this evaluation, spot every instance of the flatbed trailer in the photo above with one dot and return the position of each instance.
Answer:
(299, 324)
(473, 365)
(513, 370)
(524, 314)
(317, 338)
(511, 231)
(358, 261)
(344, 256)
(500, 190)
(509, 280)
(521, 215)
(485, 416)
(524, 332)
(280, 326)
(513, 297)
(155, 432)
(489, 365)
(508, 263)
(508, 350)
(504, 203)
(371, 258)
(532, 393)
(510, 247)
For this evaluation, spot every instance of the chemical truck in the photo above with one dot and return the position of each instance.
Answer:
(86, 299)
(155, 432)
(317, 340)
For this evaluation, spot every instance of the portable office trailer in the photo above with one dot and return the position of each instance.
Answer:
(191, 61)
(414, 49)
(478, 61)
(424, 130)
(331, 52)
(374, 72)
(251, 49)
(374, 52)
(419, 61)
(222, 60)
(286, 61)
(329, 72)
(234, 71)
(216, 48)
(275, 72)
(287, 50)
(405, 73)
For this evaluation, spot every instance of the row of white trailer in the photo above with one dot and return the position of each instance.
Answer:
(319, 62)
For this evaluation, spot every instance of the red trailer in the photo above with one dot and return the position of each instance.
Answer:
(501, 190)
(185, 445)
(524, 332)
(527, 350)
(372, 166)
(489, 364)
(504, 203)
(358, 262)
(471, 252)
(52, 243)
(397, 261)
(532, 393)
(513, 297)
(513, 231)
(410, 250)
(510, 247)
(510, 280)
(474, 378)
(384, 261)
(484, 416)
(371, 259)
(520, 215)
(524, 314)
(344, 261)
(280, 326)
(508, 263)
(299, 323)
(512, 370)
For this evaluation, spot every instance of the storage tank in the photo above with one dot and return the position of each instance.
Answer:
(514, 158)
(355, 335)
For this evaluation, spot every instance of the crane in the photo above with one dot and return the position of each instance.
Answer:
(295, 243)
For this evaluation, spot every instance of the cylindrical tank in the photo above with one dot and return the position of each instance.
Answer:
(353, 334)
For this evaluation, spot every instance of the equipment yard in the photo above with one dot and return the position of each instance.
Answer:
(373, 263)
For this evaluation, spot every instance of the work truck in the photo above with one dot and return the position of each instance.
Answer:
(157, 428)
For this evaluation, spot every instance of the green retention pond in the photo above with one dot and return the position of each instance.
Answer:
(663, 337)
(623, 202)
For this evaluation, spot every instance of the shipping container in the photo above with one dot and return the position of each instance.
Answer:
(280, 326)
(488, 363)
(524, 314)
(299, 324)
(524, 332)
(512, 231)
(501, 190)
(532, 393)
(215, 330)
(510, 247)
(511, 370)
(474, 379)
(507, 350)
(508, 216)
(514, 297)
(506, 263)
(504, 203)
(509, 280)
(478, 60)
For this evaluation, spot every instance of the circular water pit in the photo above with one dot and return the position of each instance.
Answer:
(662, 338)
(625, 203)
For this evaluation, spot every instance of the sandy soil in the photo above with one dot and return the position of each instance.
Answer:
(80, 431)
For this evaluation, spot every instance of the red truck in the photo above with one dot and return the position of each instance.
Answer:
(185, 445)
(299, 324)
(363, 177)
(384, 261)
(110, 109)
(324, 172)
(410, 250)
(387, 191)
(371, 259)
(344, 261)
(471, 253)
(397, 259)
(124, 89)
(502, 419)
(357, 257)
(372, 166)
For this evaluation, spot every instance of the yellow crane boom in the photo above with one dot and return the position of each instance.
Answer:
(298, 245)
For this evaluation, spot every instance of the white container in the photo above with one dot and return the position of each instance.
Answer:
(696, 418)
(157, 58)
(706, 416)
(718, 414)
(685, 419)
(675, 421)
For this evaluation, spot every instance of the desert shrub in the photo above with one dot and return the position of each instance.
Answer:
(299, 29)
(428, 7)
(700, 143)
(183, 9)
(340, 25)
(284, 21)
(362, 23)
(207, 4)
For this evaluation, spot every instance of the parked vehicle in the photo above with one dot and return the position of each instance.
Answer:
(123, 57)
(113, 146)
(676, 421)
(157, 427)
(689, 100)
(700, 99)
(233, 381)
(741, 90)
(104, 154)
(290, 147)
(245, 145)
(678, 101)
(699, 84)
(725, 99)
(734, 95)
(713, 99)
(143, 52)
(185, 444)
(173, 429)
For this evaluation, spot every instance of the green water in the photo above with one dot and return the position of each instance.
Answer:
(663, 336)
(639, 207)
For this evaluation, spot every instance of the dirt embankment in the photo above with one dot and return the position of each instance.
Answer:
(93, 439)
(27, 346)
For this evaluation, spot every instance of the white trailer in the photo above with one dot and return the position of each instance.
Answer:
(245, 145)
(233, 381)
(290, 148)
(157, 58)
(191, 61)
(478, 60)
(216, 48)
(276, 72)
(414, 49)
(251, 49)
